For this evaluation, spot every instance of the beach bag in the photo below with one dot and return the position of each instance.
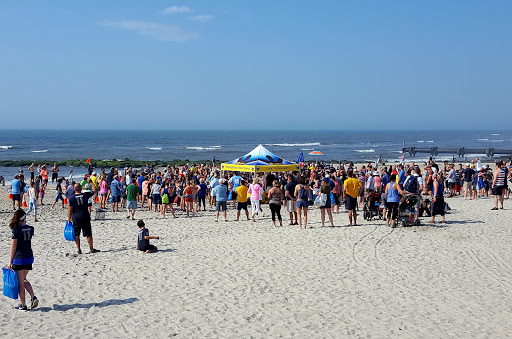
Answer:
(69, 232)
(411, 185)
(303, 193)
(165, 198)
(323, 199)
(10, 283)
(318, 201)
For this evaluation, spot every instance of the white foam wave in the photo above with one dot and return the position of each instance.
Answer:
(42, 151)
(484, 139)
(496, 140)
(295, 145)
(307, 149)
(154, 148)
(396, 151)
(364, 150)
(495, 134)
(420, 141)
(199, 148)
(5, 147)
(430, 140)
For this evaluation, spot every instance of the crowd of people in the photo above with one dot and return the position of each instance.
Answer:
(190, 188)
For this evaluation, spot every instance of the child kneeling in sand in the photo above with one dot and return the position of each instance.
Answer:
(143, 239)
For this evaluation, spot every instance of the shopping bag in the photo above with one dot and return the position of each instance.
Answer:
(318, 201)
(69, 232)
(10, 283)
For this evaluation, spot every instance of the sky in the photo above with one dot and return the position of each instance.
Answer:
(255, 64)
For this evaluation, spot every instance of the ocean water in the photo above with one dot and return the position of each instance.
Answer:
(227, 145)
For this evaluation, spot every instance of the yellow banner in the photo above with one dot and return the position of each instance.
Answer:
(277, 168)
(259, 168)
(235, 167)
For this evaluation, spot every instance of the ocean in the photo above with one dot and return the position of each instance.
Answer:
(65, 144)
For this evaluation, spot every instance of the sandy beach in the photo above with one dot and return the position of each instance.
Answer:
(244, 279)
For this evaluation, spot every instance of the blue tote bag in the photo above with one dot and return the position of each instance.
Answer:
(10, 283)
(69, 232)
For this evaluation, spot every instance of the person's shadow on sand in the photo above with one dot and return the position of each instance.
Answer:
(110, 302)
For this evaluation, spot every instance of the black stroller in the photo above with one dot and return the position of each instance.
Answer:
(406, 211)
(372, 206)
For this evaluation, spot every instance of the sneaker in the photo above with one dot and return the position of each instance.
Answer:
(34, 302)
(21, 308)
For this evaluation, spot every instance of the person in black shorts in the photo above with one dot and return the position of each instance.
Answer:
(78, 214)
(143, 239)
(21, 257)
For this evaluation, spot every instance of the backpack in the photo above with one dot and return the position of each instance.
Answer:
(411, 184)
(165, 198)
(303, 193)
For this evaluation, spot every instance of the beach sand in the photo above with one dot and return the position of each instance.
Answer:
(244, 279)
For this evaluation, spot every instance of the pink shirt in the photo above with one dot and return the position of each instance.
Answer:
(377, 181)
(103, 187)
(255, 191)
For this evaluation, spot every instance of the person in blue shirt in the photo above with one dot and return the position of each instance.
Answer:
(401, 176)
(202, 189)
(16, 191)
(220, 192)
(385, 179)
(21, 257)
(234, 183)
(115, 192)
(143, 239)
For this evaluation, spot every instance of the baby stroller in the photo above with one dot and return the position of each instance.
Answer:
(406, 211)
(372, 206)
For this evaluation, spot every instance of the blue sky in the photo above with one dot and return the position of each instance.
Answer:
(256, 64)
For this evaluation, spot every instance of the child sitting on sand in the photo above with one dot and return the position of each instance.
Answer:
(143, 239)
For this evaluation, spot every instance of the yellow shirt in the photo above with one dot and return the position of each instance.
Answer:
(241, 193)
(352, 187)
(95, 181)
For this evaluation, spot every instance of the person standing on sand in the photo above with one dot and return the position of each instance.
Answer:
(326, 189)
(58, 193)
(55, 172)
(78, 213)
(131, 199)
(115, 192)
(255, 191)
(220, 192)
(352, 187)
(241, 197)
(16, 192)
(437, 206)
(31, 169)
(302, 192)
(291, 205)
(21, 257)
(498, 181)
(32, 200)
